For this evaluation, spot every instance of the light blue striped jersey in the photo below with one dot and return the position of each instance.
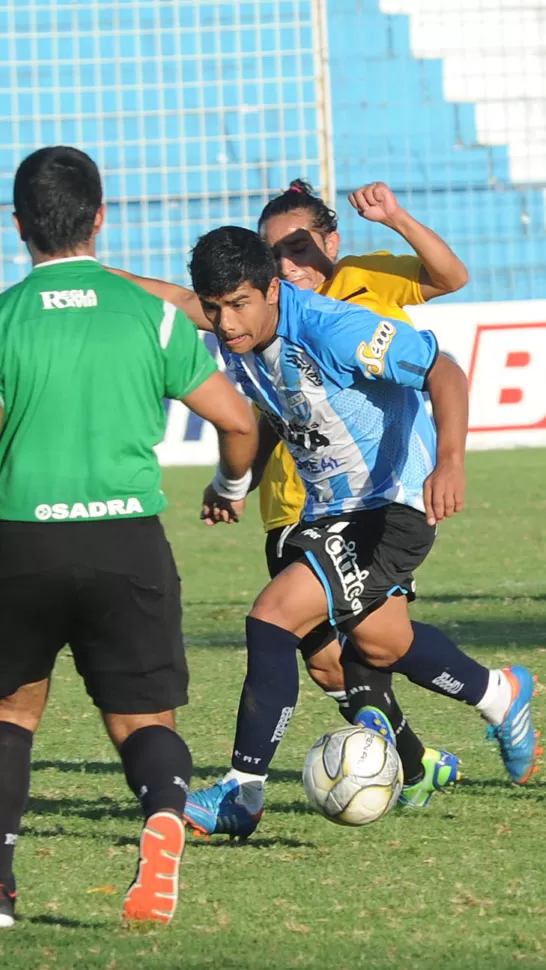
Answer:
(342, 386)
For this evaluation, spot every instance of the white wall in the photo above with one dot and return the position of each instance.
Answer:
(493, 56)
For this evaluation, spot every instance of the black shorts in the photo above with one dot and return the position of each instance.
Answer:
(363, 558)
(108, 589)
(280, 554)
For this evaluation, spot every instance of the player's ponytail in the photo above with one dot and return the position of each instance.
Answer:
(300, 195)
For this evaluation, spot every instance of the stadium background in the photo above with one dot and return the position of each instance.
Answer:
(197, 113)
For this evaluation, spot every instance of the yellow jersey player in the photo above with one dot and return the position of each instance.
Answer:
(302, 232)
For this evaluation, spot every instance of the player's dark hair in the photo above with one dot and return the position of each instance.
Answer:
(300, 195)
(229, 256)
(56, 194)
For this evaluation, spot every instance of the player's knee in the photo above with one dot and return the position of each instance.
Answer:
(329, 678)
(25, 706)
(379, 652)
(121, 726)
(268, 607)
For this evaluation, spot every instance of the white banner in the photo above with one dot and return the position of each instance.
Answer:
(502, 349)
(500, 346)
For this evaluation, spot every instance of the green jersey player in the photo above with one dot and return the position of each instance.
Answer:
(86, 359)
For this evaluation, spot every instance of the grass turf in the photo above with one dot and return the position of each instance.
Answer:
(460, 885)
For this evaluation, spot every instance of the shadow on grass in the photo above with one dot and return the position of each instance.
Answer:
(80, 767)
(95, 809)
(74, 924)
(487, 597)
(201, 772)
(533, 789)
(508, 634)
(274, 842)
(476, 631)
(290, 808)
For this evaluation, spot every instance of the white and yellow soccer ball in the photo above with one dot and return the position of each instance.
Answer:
(353, 776)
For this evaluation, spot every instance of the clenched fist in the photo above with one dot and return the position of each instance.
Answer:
(376, 203)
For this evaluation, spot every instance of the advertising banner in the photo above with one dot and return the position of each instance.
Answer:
(500, 346)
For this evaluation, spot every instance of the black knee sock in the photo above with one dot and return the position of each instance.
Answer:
(269, 695)
(15, 750)
(435, 662)
(365, 686)
(368, 686)
(157, 765)
(409, 746)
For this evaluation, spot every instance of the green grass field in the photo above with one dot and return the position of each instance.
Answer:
(460, 885)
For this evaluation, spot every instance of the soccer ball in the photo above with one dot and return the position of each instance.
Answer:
(353, 776)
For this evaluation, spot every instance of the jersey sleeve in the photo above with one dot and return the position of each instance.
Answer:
(357, 343)
(396, 279)
(188, 362)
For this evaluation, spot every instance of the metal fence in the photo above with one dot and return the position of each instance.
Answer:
(198, 112)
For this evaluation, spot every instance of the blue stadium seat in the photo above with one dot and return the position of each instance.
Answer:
(392, 123)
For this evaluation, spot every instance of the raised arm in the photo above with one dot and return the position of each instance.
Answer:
(441, 271)
(444, 488)
(179, 296)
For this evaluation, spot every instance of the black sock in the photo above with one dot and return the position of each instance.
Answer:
(157, 765)
(340, 697)
(409, 746)
(365, 686)
(269, 695)
(15, 749)
(371, 687)
(435, 662)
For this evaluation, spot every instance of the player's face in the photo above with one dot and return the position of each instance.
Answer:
(304, 256)
(244, 319)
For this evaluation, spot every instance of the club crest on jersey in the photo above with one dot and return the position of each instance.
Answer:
(372, 354)
(299, 406)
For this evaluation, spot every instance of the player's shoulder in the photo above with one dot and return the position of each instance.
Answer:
(128, 298)
(129, 294)
(380, 261)
(12, 296)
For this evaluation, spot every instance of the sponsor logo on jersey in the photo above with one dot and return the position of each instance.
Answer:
(299, 359)
(301, 436)
(88, 510)
(372, 354)
(62, 299)
(448, 684)
(352, 579)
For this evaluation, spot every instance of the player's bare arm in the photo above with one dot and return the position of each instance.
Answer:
(442, 271)
(444, 488)
(217, 401)
(179, 296)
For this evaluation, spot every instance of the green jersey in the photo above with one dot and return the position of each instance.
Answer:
(86, 359)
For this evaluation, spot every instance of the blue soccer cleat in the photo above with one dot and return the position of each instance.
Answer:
(375, 720)
(220, 810)
(516, 735)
